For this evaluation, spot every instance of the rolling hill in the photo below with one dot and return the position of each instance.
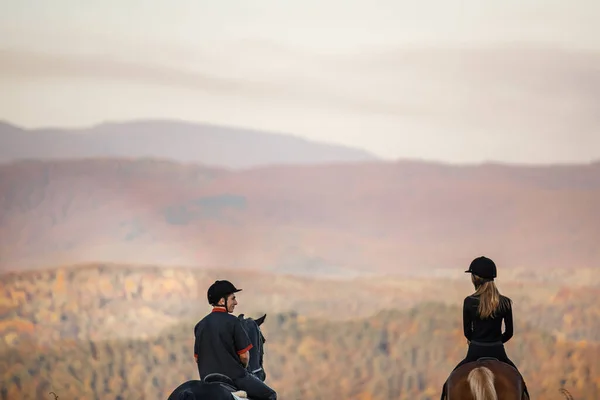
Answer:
(326, 219)
(171, 140)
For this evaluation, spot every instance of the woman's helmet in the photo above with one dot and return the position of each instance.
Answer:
(483, 267)
(218, 290)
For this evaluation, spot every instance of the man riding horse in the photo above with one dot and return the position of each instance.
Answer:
(222, 345)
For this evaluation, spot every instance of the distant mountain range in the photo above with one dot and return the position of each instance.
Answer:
(350, 218)
(171, 140)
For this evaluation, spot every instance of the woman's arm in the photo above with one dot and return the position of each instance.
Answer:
(467, 321)
(508, 325)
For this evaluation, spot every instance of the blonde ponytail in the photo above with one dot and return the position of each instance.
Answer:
(490, 300)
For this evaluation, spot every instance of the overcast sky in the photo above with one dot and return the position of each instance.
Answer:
(459, 81)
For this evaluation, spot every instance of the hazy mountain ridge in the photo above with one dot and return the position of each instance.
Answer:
(326, 219)
(173, 140)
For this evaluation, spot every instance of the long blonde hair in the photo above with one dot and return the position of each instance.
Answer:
(490, 299)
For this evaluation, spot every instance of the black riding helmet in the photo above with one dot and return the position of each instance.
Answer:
(483, 267)
(220, 289)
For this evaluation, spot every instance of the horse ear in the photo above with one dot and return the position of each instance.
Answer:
(261, 320)
(241, 317)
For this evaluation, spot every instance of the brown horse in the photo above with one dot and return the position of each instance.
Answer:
(485, 379)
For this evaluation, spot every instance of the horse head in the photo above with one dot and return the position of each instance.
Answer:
(252, 327)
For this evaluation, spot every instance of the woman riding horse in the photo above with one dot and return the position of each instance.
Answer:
(483, 313)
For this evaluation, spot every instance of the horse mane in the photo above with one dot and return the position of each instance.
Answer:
(481, 382)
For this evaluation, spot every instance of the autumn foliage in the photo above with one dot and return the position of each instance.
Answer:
(125, 332)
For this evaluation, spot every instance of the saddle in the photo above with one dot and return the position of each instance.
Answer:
(480, 359)
(225, 382)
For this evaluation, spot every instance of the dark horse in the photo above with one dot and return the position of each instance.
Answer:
(257, 352)
(221, 387)
(485, 379)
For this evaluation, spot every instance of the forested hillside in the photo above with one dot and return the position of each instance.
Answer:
(118, 332)
(403, 355)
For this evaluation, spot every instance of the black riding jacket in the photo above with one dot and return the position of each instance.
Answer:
(488, 330)
(220, 340)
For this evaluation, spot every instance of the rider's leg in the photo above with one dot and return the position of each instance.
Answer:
(471, 353)
(504, 357)
(255, 388)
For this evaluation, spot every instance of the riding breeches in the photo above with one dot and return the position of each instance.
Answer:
(476, 351)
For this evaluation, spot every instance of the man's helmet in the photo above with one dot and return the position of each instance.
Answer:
(220, 289)
(483, 267)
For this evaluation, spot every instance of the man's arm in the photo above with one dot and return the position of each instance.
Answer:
(242, 343)
(196, 347)
(245, 359)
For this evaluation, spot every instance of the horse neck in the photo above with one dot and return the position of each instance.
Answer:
(257, 346)
(257, 356)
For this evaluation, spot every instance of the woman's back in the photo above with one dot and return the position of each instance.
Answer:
(489, 329)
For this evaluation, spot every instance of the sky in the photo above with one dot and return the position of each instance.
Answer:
(455, 81)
